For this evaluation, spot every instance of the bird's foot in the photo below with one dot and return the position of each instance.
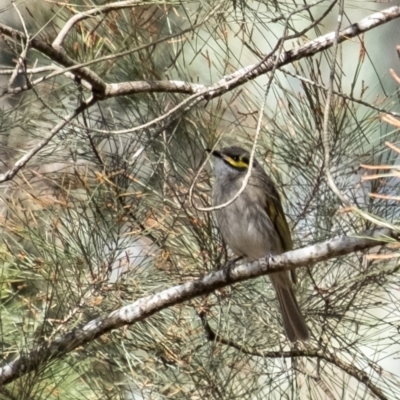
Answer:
(229, 265)
(268, 258)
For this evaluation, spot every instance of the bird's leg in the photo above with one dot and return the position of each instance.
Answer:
(268, 258)
(230, 264)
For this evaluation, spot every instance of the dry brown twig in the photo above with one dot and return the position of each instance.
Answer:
(147, 306)
(102, 90)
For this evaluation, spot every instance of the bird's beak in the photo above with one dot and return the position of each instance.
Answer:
(215, 153)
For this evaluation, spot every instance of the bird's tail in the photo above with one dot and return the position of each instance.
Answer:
(293, 320)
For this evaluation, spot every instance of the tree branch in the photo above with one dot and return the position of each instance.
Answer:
(57, 56)
(201, 92)
(28, 156)
(250, 72)
(319, 353)
(147, 306)
(90, 14)
(227, 83)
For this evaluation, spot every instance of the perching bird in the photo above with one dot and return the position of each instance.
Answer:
(254, 226)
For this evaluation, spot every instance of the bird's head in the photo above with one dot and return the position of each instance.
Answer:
(230, 160)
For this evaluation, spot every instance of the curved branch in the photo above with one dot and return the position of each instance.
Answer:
(251, 72)
(224, 85)
(313, 47)
(147, 306)
(57, 56)
(90, 14)
(43, 143)
(319, 353)
(200, 92)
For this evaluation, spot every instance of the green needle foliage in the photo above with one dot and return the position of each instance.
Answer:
(103, 215)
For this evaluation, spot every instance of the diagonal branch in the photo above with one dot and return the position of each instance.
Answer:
(43, 143)
(227, 83)
(313, 47)
(319, 353)
(250, 72)
(147, 306)
(90, 14)
(57, 56)
(201, 92)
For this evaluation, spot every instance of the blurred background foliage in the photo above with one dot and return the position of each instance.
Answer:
(100, 218)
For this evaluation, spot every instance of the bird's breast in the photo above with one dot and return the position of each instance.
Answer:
(247, 228)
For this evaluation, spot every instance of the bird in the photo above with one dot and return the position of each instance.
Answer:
(254, 226)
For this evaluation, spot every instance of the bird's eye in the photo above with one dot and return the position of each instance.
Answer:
(236, 162)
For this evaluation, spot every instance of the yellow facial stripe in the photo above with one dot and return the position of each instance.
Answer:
(236, 163)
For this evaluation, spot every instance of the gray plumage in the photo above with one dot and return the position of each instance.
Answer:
(254, 226)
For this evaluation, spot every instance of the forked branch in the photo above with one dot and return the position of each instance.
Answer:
(147, 306)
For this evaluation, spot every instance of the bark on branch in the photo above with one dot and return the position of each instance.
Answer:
(106, 90)
(147, 306)
(102, 90)
(320, 353)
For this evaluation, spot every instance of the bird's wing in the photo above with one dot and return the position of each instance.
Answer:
(275, 212)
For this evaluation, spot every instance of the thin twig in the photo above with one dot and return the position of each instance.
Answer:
(243, 75)
(342, 95)
(325, 132)
(90, 14)
(147, 306)
(28, 156)
(322, 354)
